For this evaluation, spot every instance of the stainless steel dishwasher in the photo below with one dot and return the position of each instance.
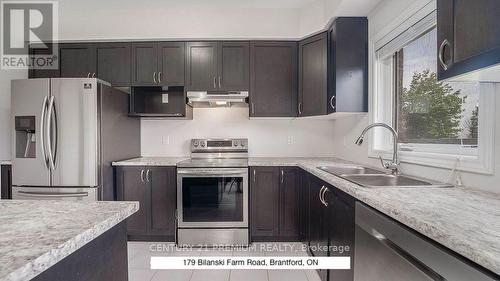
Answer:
(386, 250)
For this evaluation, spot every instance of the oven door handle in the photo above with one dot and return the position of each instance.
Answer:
(211, 172)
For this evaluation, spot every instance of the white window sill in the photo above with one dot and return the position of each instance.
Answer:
(482, 164)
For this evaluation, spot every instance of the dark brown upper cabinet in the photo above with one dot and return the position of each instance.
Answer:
(273, 79)
(468, 36)
(217, 66)
(348, 65)
(274, 204)
(333, 69)
(201, 66)
(114, 63)
(313, 75)
(77, 60)
(158, 64)
(43, 73)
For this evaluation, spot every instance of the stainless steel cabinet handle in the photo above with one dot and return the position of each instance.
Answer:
(321, 193)
(215, 82)
(154, 77)
(88, 75)
(93, 75)
(300, 106)
(160, 76)
(142, 175)
(282, 176)
(323, 196)
(331, 102)
(441, 54)
(253, 108)
(42, 130)
(219, 81)
(147, 175)
(253, 175)
(51, 154)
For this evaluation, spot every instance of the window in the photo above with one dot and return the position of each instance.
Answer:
(437, 122)
(432, 115)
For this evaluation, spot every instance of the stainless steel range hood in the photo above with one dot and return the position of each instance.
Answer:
(217, 99)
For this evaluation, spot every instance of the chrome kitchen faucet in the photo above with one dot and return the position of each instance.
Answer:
(390, 165)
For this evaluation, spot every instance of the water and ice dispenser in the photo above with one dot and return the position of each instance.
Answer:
(25, 137)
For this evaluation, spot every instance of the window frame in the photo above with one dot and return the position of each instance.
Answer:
(383, 107)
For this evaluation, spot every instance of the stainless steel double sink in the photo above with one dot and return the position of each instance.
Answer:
(374, 178)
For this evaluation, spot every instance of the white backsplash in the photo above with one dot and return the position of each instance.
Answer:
(267, 137)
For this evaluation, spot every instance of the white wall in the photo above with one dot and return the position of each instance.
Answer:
(348, 129)
(267, 137)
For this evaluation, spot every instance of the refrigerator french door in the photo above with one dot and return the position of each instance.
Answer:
(55, 140)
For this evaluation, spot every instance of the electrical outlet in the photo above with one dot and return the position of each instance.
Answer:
(164, 98)
(290, 140)
(165, 140)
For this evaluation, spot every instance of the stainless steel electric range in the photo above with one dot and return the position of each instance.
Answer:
(212, 194)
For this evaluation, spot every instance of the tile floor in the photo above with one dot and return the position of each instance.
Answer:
(139, 254)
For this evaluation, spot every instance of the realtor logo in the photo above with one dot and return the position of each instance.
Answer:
(29, 25)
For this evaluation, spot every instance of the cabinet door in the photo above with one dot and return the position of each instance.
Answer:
(144, 60)
(468, 35)
(289, 204)
(6, 181)
(264, 201)
(163, 201)
(114, 63)
(77, 60)
(131, 186)
(313, 82)
(342, 230)
(201, 66)
(316, 217)
(171, 62)
(234, 67)
(304, 206)
(43, 73)
(348, 65)
(273, 79)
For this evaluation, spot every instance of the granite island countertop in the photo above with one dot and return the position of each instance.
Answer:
(35, 235)
(463, 220)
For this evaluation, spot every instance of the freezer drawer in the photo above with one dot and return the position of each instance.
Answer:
(84, 194)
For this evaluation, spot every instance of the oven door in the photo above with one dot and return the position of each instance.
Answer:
(212, 197)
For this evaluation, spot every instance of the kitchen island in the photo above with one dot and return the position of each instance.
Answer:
(60, 240)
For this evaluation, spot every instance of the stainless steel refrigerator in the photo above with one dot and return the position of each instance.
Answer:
(65, 134)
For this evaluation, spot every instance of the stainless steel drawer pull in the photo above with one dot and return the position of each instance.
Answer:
(51, 194)
(154, 77)
(282, 176)
(142, 175)
(147, 175)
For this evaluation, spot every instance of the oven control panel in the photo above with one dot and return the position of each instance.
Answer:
(211, 145)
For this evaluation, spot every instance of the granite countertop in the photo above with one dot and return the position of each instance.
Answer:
(463, 220)
(151, 161)
(35, 235)
(5, 162)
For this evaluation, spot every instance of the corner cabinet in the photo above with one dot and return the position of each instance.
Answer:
(274, 204)
(333, 69)
(217, 66)
(313, 76)
(155, 190)
(273, 79)
(468, 36)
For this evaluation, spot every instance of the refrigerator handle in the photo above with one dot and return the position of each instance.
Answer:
(52, 154)
(42, 128)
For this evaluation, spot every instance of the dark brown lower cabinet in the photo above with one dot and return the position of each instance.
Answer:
(155, 190)
(6, 181)
(331, 225)
(274, 204)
